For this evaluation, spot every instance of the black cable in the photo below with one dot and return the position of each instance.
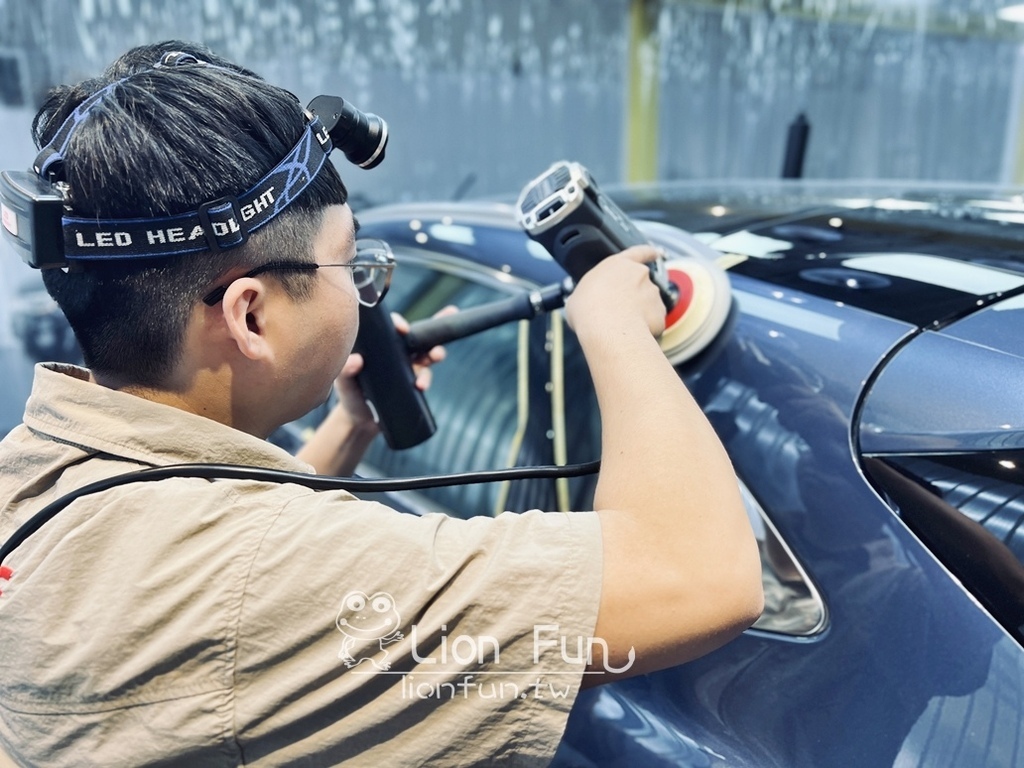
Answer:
(315, 482)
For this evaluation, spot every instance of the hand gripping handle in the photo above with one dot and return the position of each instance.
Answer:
(388, 381)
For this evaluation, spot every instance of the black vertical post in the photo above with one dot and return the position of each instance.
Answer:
(796, 147)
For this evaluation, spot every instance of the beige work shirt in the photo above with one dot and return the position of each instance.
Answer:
(197, 622)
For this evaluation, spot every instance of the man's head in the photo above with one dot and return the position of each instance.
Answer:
(163, 142)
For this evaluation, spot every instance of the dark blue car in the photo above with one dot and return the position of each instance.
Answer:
(869, 387)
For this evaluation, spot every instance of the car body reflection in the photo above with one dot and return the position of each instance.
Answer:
(870, 652)
(867, 389)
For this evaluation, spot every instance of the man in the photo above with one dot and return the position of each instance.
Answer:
(224, 622)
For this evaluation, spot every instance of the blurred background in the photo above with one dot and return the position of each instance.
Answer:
(481, 95)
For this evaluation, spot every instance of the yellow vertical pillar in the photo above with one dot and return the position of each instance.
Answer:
(642, 90)
(1012, 171)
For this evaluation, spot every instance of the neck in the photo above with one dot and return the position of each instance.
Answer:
(207, 394)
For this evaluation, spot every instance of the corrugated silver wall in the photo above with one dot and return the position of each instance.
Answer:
(905, 93)
(479, 96)
(482, 94)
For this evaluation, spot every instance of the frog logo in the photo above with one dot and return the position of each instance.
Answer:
(363, 619)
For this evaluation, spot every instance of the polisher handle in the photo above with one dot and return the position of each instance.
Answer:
(578, 247)
(424, 334)
(564, 211)
(388, 381)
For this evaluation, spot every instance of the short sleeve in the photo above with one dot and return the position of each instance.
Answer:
(370, 636)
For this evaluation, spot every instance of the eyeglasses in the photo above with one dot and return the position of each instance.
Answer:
(371, 272)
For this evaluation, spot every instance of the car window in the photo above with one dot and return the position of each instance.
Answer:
(792, 603)
(480, 396)
(968, 508)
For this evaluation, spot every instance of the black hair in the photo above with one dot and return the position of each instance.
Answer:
(162, 142)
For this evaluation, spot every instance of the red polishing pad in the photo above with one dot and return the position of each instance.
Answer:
(684, 284)
(702, 309)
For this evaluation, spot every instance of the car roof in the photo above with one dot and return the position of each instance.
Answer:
(925, 255)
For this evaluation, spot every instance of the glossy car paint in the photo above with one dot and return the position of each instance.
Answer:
(908, 669)
(903, 639)
(946, 411)
(823, 363)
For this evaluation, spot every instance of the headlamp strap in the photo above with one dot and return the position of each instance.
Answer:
(51, 157)
(217, 225)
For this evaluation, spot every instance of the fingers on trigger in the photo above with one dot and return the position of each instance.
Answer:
(423, 379)
(400, 322)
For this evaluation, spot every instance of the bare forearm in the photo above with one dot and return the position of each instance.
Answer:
(671, 513)
(338, 444)
(681, 567)
(647, 412)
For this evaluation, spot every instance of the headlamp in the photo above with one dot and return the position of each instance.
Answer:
(46, 234)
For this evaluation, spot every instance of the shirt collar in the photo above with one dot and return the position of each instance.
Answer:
(67, 406)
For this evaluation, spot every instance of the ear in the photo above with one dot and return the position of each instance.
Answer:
(245, 315)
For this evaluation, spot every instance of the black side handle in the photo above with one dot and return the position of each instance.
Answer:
(388, 382)
(424, 334)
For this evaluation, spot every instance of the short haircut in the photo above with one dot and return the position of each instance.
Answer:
(163, 142)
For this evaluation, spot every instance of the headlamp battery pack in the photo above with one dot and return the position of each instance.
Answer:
(32, 210)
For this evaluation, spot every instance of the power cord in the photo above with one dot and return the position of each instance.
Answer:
(315, 482)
